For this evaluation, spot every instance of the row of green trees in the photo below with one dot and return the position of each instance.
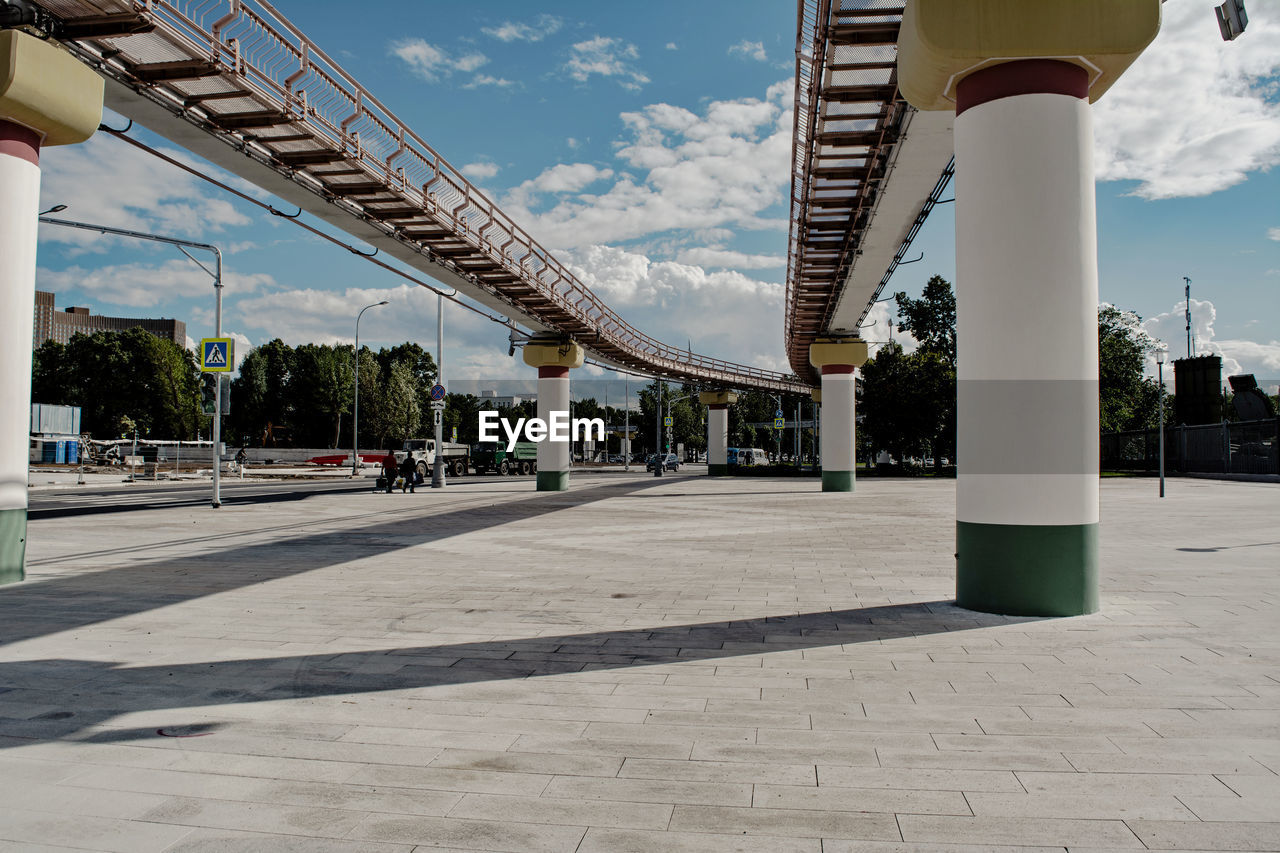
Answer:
(302, 396)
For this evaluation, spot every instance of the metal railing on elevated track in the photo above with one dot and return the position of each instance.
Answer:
(239, 71)
(850, 123)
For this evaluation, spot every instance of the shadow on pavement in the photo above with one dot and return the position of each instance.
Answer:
(92, 692)
(36, 608)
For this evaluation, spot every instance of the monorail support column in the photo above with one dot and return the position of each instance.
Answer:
(47, 97)
(717, 403)
(837, 358)
(1020, 77)
(554, 357)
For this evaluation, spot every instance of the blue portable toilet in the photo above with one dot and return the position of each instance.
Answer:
(60, 451)
(72, 452)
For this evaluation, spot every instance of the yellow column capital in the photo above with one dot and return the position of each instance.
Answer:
(824, 351)
(717, 398)
(942, 41)
(45, 88)
(557, 353)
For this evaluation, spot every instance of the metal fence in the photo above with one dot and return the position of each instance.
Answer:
(1243, 447)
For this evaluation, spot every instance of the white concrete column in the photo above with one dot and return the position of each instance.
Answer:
(838, 358)
(553, 456)
(717, 403)
(1027, 334)
(554, 358)
(19, 206)
(838, 439)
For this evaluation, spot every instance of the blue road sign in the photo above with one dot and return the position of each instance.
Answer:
(779, 423)
(217, 355)
(778, 413)
(437, 392)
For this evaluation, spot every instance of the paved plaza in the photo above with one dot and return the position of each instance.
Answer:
(638, 664)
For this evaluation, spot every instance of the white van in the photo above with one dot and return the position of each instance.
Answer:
(753, 456)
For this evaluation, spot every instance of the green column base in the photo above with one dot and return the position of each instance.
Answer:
(1027, 569)
(553, 481)
(837, 481)
(13, 545)
(718, 470)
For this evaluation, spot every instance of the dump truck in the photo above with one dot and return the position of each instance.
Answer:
(457, 457)
(493, 456)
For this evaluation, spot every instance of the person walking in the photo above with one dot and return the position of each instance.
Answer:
(389, 466)
(408, 470)
(242, 456)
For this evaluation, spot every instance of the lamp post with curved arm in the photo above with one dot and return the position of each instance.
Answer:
(355, 420)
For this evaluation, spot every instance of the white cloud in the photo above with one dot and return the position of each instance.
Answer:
(723, 313)
(608, 57)
(672, 46)
(1194, 114)
(723, 168)
(727, 258)
(1273, 233)
(137, 193)
(510, 31)
(480, 171)
(750, 49)
(1238, 355)
(433, 63)
(143, 285)
(489, 80)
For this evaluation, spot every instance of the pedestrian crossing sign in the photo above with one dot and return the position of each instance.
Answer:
(217, 355)
(666, 421)
(779, 423)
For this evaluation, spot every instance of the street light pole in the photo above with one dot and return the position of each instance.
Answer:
(355, 419)
(1160, 355)
(216, 272)
(626, 429)
(437, 465)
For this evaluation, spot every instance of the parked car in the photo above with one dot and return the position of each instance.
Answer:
(670, 462)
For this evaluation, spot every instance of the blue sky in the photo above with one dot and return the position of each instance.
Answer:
(648, 145)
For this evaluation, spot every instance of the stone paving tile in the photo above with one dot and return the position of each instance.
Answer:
(634, 841)
(860, 800)
(488, 835)
(261, 817)
(835, 845)
(719, 771)
(918, 779)
(1085, 806)
(1014, 830)
(787, 823)
(1190, 835)
(553, 810)
(649, 791)
(203, 840)
(86, 832)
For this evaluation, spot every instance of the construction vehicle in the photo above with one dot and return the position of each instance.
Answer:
(456, 457)
(493, 456)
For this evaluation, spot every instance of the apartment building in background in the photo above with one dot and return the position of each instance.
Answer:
(51, 324)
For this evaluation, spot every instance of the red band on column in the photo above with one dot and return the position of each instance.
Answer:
(21, 142)
(553, 371)
(1021, 77)
(715, 407)
(828, 369)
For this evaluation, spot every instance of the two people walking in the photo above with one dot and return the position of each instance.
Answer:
(407, 469)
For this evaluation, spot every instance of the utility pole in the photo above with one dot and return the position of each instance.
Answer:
(437, 465)
(1190, 354)
(626, 429)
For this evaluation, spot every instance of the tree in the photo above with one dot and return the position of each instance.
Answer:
(931, 319)
(113, 376)
(401, 413)
(893, 416)
(1126, 400)
(261, 393)
(320, 389)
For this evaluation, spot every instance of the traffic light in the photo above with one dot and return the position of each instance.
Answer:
(208, 392)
